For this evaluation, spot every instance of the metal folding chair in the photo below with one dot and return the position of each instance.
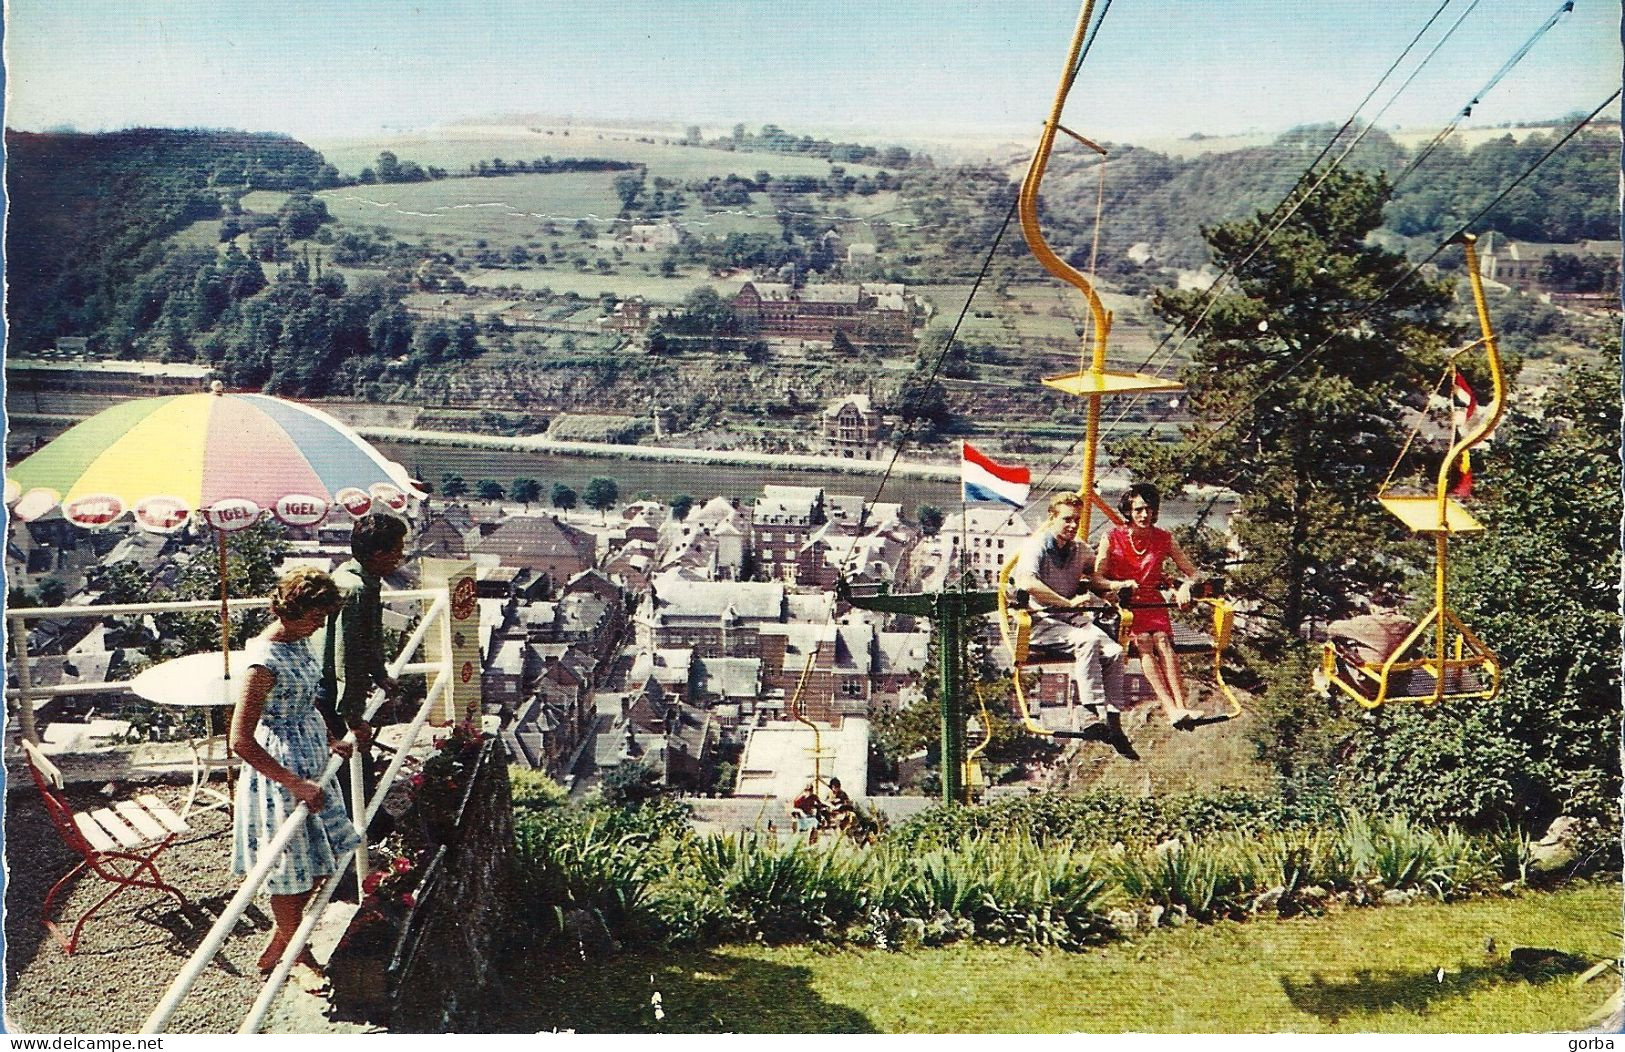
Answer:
(119, 843)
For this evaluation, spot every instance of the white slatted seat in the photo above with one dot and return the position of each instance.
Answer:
(117, 844)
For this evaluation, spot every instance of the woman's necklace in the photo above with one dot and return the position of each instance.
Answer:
(1135, 547)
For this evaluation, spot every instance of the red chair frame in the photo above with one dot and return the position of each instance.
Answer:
(121, 868)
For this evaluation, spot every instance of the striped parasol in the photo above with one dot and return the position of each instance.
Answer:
(228, 457)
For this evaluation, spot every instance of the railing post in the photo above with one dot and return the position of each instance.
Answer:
(448, 657)
(25, 678)
(359, 811)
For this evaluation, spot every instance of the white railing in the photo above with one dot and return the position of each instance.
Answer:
(439, 673)
(17, 628)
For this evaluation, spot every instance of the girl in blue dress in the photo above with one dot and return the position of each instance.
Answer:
(283, 740)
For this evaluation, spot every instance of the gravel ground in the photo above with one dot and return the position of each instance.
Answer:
(134, 947)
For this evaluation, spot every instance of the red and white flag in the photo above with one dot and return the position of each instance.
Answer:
(1464, 404)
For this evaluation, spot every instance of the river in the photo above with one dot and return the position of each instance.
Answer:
(431, 459)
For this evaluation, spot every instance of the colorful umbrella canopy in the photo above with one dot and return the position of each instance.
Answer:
(228, 457)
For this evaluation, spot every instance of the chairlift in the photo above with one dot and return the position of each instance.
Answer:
(1015, 629)
(1440, 658)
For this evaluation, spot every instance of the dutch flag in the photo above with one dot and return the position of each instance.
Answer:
(983, 481)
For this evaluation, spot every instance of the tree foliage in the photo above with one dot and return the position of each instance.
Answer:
(632, 784)
(601, 493)
(1540, 588)
(90, 214)
(1297, 385)
(930, 517)
(252, 558)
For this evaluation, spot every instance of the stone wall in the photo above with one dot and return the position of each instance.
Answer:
(448, 968)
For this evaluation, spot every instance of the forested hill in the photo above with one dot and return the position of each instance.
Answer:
(90, 212)
(1163, 202)
(149, 242)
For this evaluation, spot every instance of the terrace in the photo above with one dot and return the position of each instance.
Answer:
(144, 962)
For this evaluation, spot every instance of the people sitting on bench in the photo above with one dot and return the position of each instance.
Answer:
(1056, 570)
(841, 811)
(1132, 556)
(807, 812)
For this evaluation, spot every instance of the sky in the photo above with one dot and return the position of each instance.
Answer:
(1160, 68)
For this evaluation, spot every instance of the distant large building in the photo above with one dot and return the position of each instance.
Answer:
(70, 370)
(851, 428)
(782, 520)
(868, 313)
(976, 541)
(542, 544)
(1518, 263)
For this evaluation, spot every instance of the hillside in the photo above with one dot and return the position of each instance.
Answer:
(204, 246)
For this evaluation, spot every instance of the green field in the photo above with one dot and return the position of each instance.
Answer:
(1421, 968)
(850, 216)
(263, 201)
(455, 149)
(512, 210)
(630, 281)
(205, 233)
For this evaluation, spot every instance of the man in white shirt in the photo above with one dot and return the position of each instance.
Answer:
(1056, 570)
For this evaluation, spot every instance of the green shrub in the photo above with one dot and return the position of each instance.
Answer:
(1510, 852)
(1403, 855)
(772, 889)
(1207, 878)
(1046, 895)
(947, 880)
(1291, 859)
(533, 790)
(633, 783)
(1100, 817)
(1028, 872)
(567, 865)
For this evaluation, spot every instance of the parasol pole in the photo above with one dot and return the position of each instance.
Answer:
(218, 390)
(225, 610)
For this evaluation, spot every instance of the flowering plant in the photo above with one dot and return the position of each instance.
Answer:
(388, 895)
(439, 783)
(456, 751)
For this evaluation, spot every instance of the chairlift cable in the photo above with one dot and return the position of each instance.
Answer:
(1478, 96)
(1291, 197)
(1421, 418)
(987, 263)
(1363, 311)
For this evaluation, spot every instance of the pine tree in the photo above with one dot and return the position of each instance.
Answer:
(1298, 382)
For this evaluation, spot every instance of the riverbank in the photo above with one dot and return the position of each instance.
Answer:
(668, 454)
(663, 471)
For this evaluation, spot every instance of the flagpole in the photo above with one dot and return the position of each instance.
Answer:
(964, 531)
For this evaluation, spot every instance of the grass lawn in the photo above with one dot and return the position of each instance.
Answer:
(205, 233)
(265, 202)
(1359, 970)
(507, 211)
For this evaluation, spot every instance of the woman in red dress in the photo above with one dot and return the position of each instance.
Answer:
(1132, 556)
